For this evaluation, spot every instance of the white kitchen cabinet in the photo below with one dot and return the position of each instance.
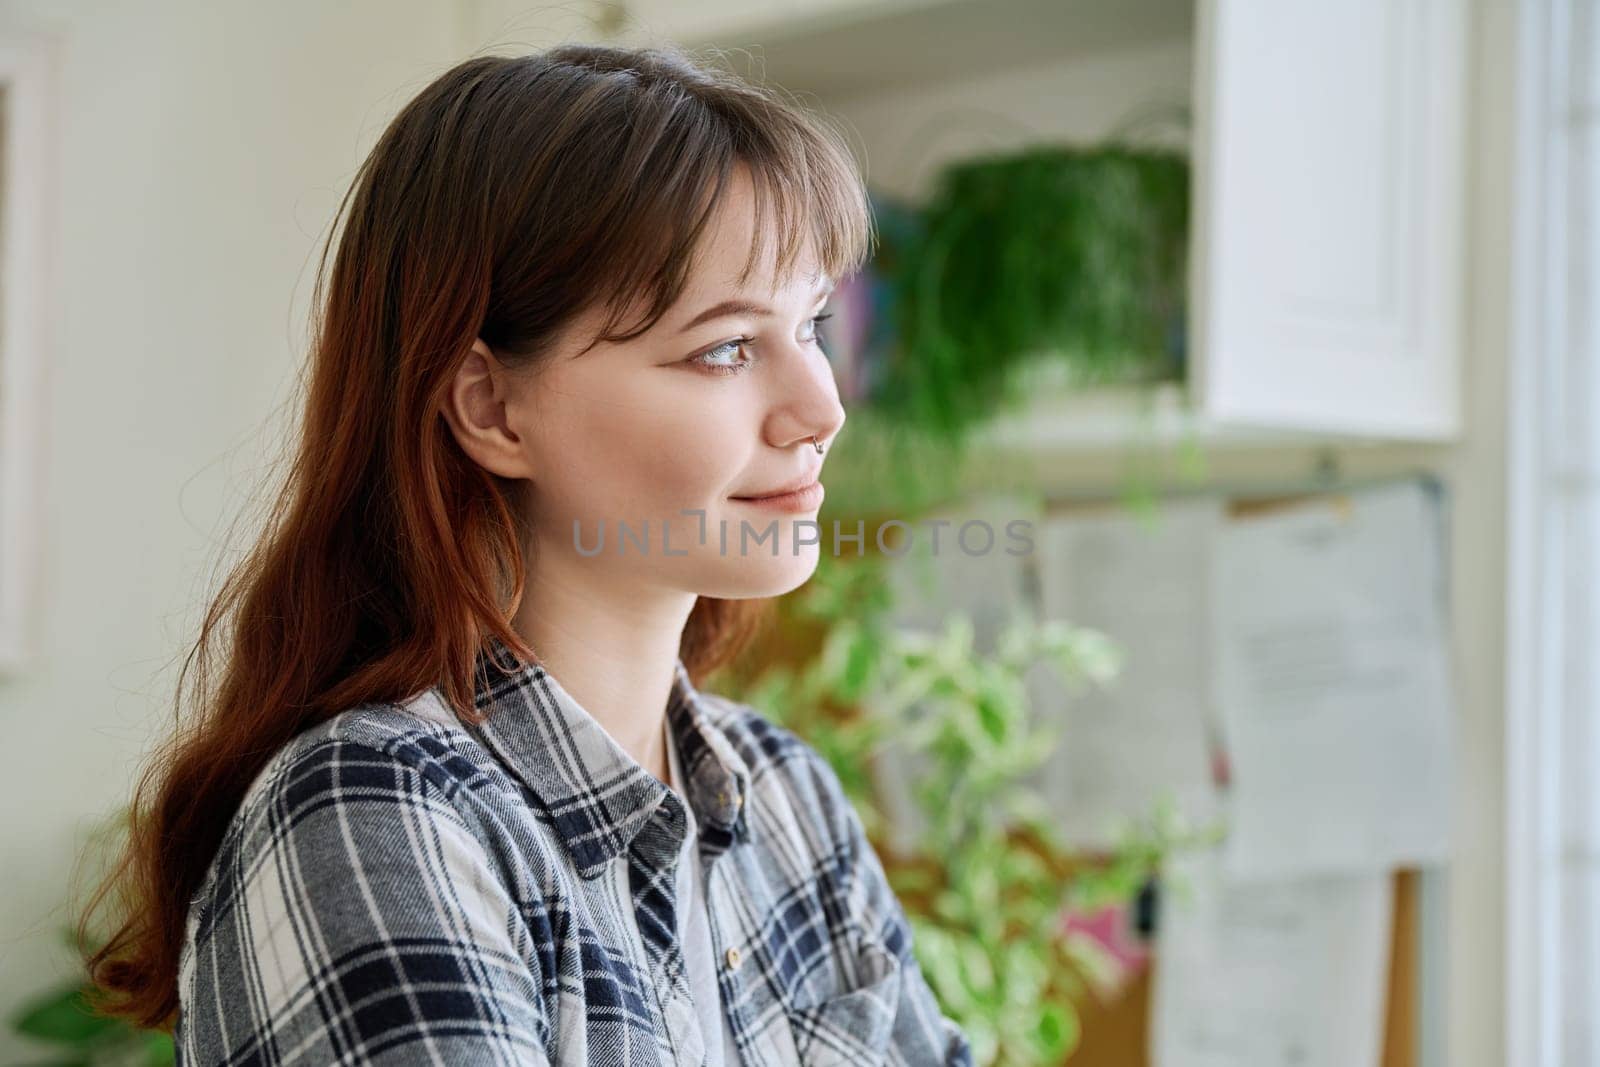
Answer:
(1328, 172)
(1329, 179)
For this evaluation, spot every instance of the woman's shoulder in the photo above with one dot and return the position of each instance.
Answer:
(376, 749)
(366, 831)
(350, 775)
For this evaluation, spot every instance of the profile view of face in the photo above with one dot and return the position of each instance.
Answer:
(670, 432)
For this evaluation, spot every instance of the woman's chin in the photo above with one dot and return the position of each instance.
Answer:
(762, 575)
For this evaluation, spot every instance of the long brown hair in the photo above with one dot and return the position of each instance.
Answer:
(509, 195)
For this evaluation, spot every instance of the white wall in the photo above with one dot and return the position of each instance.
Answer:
(202, 150)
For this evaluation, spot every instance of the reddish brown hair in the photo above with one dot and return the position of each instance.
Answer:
(510, 195)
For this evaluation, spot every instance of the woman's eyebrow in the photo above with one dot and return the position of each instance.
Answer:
(742, 307)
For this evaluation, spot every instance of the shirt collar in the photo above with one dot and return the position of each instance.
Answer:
(598, 795)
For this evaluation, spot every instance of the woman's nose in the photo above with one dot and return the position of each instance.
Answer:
(804, 399)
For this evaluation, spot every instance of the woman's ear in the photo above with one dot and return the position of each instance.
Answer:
(476, 407)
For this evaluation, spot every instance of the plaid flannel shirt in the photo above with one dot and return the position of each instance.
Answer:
(399, 887)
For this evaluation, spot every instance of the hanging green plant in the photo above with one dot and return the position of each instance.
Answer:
(1052, 253)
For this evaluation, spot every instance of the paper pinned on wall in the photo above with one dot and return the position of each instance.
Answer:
(1293, 974)
(1331, 675)
(1148, 735)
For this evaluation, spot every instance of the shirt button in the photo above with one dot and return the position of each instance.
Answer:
(733, 957)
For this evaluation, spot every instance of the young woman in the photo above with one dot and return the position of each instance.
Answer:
(454, 796)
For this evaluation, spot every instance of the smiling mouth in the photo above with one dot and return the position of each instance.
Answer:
(788, 492)
(802, 499)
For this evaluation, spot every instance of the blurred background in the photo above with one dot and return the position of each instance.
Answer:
(1272, 322)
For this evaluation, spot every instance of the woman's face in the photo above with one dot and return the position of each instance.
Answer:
(668, 433)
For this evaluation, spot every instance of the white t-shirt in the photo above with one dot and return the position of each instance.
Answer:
(695, 930)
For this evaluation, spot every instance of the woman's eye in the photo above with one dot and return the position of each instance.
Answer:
(816, 330)
(724, 359)
(715, 360)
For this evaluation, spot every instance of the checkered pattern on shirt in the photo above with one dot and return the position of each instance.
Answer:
(401, 888)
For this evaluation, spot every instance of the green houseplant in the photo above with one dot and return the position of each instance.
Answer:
(989, 880)
(61, 1018)
(1062, 253)
(1035, 271)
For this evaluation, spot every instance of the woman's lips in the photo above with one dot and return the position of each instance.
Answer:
(807, 499)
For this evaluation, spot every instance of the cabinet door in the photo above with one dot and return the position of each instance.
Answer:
(1329, 177)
